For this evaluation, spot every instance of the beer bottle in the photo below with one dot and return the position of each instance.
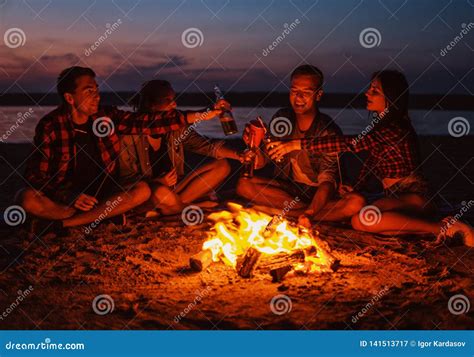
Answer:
(227, 119)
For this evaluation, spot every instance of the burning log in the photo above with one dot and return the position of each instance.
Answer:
(247, 263)
(277, 265)
(201, 260)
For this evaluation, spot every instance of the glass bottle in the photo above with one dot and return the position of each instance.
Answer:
(227, 119)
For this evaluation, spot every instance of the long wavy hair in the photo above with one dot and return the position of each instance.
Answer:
(396, 91)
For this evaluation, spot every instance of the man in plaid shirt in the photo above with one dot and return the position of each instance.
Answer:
(72, 170)
(306, 183)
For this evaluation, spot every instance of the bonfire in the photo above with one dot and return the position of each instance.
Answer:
(251, 241)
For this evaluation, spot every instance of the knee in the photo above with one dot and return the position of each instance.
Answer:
(354, 203)
(29, 199)
(222, 167)
(141, 193)
(162, 195)
(357, 224)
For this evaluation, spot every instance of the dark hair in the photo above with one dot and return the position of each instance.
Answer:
(66, 82)
(309, 70)
(396, 92)
(150, 93)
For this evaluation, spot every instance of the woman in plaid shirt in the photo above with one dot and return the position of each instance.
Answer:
(391, 143)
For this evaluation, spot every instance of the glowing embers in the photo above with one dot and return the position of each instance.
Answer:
(254, 242)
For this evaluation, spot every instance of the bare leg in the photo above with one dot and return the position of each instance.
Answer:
(37, 204)
(393, 222)
(165, 200)
(121, 203)
(342, 209)
(203, 180)
(410, 202)
(265, 191)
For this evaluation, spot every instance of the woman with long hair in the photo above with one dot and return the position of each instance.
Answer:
(393, 159)
(160, 160)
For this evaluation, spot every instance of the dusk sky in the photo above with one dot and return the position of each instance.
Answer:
(146, 43)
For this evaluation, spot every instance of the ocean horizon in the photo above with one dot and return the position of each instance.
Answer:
(17, 124)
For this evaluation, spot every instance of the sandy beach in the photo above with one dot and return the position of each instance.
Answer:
(382, 283)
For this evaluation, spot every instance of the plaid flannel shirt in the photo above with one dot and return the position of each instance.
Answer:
(53, 160)
(323, 164)
(392, 151)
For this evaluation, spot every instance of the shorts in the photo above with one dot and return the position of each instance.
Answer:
(296, 189)
(412, 184)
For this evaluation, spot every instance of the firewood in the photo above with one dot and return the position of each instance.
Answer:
(275, 261)
(279, 273)
(201, 260)
(247, 263)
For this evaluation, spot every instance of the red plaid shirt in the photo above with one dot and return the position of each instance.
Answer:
(53, 160)
(392, 150)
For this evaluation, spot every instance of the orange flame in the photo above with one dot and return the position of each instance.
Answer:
(237, 230)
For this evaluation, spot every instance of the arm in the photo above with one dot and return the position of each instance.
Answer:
(322, 196)
(325, 144)
(209, 147)
(145, 123)
(209, 113)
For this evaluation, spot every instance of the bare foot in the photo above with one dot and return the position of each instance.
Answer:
(462, 229)
(207, 204)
